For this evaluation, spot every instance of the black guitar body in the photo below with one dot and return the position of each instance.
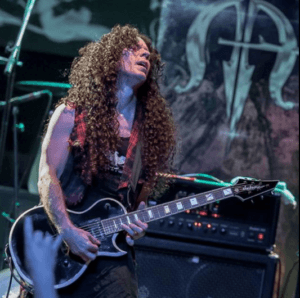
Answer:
(69, 267)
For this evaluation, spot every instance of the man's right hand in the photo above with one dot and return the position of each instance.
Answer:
(81, 243)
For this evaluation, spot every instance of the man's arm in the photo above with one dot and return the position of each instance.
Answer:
(54, 156)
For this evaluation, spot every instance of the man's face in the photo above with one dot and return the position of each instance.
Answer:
(135, 62)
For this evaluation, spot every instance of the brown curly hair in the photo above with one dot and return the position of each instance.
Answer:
(93, 78)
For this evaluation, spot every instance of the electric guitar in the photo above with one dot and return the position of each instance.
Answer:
(103, 219)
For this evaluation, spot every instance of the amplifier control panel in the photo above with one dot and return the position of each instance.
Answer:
(214, 230)
(250, 224)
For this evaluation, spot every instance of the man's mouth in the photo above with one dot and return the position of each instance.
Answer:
(144, 64)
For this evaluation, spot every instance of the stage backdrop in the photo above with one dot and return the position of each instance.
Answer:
(63, 26)
(232, 81)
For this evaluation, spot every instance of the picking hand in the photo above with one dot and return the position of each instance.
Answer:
(137, 230)
(81, 243)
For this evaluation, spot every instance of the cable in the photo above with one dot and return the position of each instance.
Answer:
(9, 285)
(287, 279)
(203, 176)
(10, 264)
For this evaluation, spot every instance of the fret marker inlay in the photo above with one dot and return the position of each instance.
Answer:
(227, 192)
(167, 210)
(150, 213)
(193, 201)
(209, 197)
(179, 206)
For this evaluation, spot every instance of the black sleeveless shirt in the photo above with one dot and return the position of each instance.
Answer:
(75, 190)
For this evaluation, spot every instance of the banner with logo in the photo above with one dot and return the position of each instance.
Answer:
(232, 80)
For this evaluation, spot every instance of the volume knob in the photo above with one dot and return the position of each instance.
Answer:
(66, 263)
(223, 231)
(171, 222)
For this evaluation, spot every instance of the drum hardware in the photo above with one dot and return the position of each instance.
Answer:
(4, 60)
(57, 89)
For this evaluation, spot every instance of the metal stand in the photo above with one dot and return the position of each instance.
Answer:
(5, 116)
(14, 212)
(10, 72)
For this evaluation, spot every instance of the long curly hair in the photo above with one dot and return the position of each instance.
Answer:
(93, 78)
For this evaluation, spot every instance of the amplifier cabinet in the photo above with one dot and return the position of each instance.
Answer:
(173, 269)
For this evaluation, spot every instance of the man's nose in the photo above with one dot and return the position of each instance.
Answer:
(146, 55)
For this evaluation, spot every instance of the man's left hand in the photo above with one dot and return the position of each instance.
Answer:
(136, 230)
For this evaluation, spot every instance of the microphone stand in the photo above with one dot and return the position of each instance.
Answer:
(10, 72)
(15, 113)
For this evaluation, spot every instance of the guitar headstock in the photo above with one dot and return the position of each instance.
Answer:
(246, 189)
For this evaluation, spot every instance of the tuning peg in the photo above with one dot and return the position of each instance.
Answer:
(262, 197)
(252, 201)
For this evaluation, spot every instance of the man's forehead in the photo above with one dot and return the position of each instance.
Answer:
(141, 42)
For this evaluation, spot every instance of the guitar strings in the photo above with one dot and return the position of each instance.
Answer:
(89, 228)
(95, 223)
(103, 230)
(108, 229)
(100, 231)
(100, 227)
(131, 217)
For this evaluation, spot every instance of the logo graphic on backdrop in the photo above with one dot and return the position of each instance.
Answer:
(69, 26)
(237, 71)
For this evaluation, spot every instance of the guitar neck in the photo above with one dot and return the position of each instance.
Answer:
(113, 225)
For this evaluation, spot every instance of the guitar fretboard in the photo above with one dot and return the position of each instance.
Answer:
(113, 225)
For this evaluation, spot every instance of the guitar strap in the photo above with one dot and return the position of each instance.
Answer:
(132, 199)
(137, 167)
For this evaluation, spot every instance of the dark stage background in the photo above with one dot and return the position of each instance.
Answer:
(231, 79)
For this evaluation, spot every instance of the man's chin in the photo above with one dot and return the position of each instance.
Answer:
(140, 79)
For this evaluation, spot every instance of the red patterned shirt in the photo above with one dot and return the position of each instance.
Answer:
(79, 139)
